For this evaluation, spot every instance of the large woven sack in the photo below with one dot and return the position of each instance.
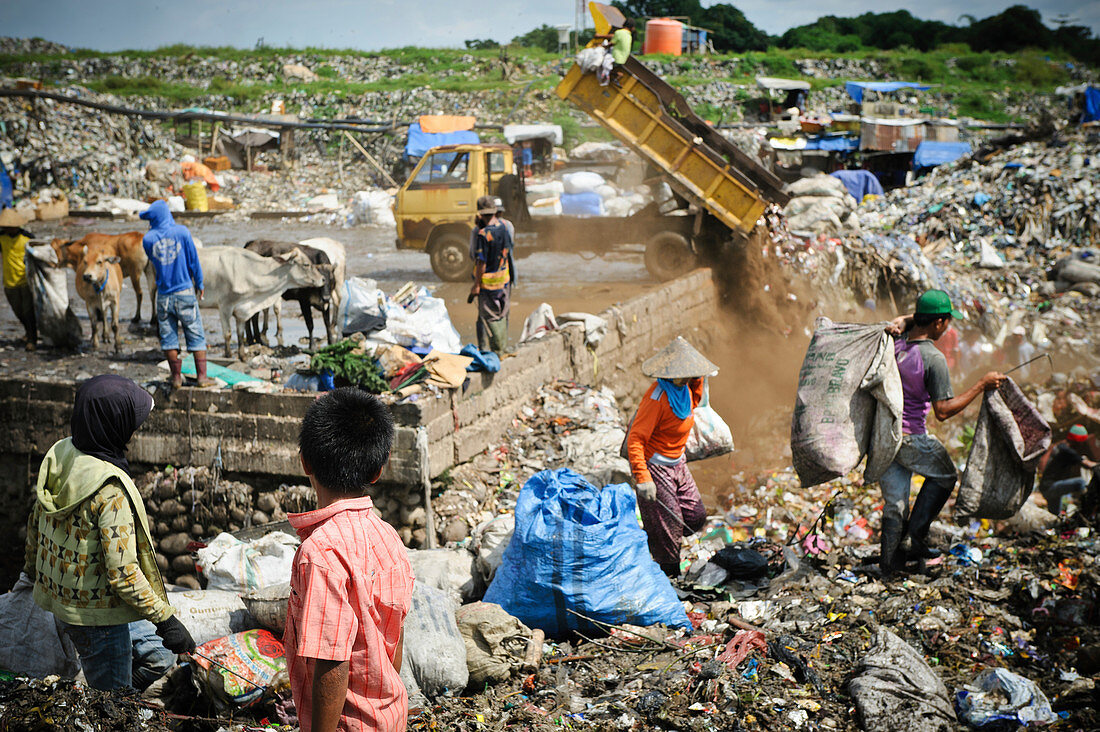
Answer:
(1009, 439)
(848, 404)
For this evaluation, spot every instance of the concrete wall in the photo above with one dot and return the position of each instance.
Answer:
(256, 434)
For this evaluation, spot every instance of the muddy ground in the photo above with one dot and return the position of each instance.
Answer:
(569, 282)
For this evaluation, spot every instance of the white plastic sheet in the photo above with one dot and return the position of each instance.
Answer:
(241, 566)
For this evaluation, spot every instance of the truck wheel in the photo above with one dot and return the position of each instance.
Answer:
(451, 258)
(668, 255)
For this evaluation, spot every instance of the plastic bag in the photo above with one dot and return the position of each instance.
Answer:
(893, 683)
(211, 614)
(583, 203)
(434, 649)
(581, 181)
(578, 547)
(240, 566)
(1009, 439)
(237, 670)
(361, 306)
(495, 641)
(32, 642)
(710, 436)
(57, 323)
(450, 570)
(848, 404)
(998, 695)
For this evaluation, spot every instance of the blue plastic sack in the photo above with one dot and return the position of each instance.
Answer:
(582, 204)
(577, 547)
(482, 360)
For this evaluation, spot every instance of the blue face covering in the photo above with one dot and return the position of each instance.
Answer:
(679, 397)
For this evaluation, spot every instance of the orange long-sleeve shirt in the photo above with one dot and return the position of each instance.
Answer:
(657, 429)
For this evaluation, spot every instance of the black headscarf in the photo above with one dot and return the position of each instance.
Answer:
(108, 411)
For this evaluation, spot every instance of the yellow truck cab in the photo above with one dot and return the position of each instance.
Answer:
(435, 207)
(714, 196)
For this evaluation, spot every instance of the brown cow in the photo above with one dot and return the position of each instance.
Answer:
(127, 247)
(99, 284)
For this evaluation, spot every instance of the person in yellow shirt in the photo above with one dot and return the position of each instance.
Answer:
(13, 247)
(622, 41)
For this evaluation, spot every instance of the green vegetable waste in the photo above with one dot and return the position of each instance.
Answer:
(357, 368)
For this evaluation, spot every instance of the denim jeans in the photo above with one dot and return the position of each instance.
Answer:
(119, 656)
(1059, 489)
(180, 309)
(920, 454)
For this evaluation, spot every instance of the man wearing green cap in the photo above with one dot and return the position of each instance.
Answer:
(926, 386)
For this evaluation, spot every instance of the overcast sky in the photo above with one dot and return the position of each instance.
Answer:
(375, 24)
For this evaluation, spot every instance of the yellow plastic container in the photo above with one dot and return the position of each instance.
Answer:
(194, 197)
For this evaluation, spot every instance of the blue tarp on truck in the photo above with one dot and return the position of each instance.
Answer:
(420, 142)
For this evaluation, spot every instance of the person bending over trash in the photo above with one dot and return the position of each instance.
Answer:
(351, 581)
(926, 385)
(89, 551)
(1061, 468)
(668, 498)
(171, 249)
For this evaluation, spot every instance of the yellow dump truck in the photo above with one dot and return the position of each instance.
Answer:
(718, 192)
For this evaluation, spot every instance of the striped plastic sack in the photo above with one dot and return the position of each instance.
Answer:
(239, 669)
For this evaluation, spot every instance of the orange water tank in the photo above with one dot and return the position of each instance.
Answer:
(664, 35)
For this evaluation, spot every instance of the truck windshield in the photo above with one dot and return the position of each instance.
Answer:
(444, 167)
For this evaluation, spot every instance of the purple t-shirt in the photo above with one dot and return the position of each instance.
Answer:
(924, 379)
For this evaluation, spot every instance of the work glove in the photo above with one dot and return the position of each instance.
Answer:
(175, 635)
(647, 491)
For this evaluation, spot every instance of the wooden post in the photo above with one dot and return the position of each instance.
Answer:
(370, 159)
(533, 657)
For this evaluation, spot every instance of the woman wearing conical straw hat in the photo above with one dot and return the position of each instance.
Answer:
(668, 498)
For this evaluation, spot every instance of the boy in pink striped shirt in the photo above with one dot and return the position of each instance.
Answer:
(351, 583)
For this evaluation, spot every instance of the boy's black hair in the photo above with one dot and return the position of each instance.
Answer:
(923, 319)
(345, 439)
(629, 24)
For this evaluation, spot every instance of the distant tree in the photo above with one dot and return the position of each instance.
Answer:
(731, 30)
(662, 8)
(544, 37)
(481, 44)
(1016, 28)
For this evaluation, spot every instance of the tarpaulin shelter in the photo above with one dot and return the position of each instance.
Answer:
(519, 133)
(855, 89)
(794, 90)
(929, 153)
(421, 140)
(241, 147)
(534, 146)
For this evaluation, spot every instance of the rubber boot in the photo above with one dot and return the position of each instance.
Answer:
(930, 501)
(893, 532)
(175, 366)
(201, 379)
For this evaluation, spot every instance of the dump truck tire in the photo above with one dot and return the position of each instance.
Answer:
(669, 255)
(450, 255)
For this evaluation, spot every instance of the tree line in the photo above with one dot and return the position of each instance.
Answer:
(1016, 28)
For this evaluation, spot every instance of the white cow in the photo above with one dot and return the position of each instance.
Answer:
(338, 256)
(240, 283)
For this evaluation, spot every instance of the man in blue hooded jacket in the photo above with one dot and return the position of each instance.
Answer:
(171, 249)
